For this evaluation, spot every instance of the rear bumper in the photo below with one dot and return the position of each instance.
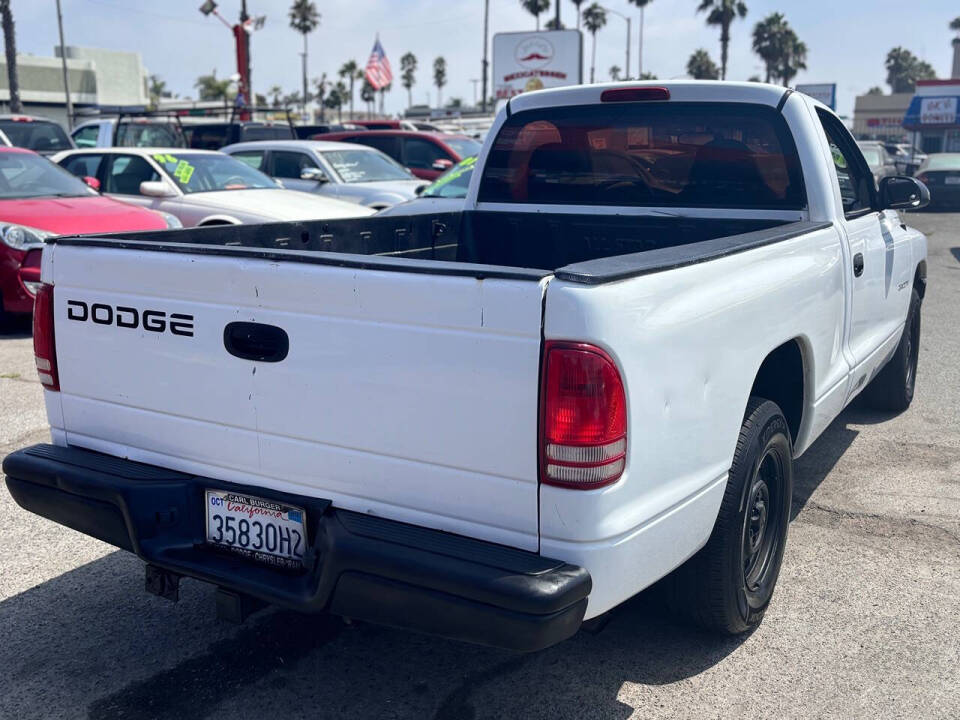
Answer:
(357, 565)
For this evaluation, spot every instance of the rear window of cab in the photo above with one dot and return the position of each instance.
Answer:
(658, 154)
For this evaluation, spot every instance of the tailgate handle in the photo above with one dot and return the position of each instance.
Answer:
(256, 341)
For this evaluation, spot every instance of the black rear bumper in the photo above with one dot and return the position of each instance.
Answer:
(357, 565)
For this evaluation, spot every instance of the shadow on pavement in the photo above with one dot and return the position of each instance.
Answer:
(92, 642)
(17, 326)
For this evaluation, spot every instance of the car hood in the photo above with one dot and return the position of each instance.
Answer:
(277, 204)
(77, 215)
(404, 188)
(420, 206)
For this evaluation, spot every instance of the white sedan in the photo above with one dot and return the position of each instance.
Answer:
(199, 187)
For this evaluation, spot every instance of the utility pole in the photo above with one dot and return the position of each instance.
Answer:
(248, 88)
(474, 81)
(63, 62)
(557, 18)
(620, 14)
(486, 21)
(640, 48)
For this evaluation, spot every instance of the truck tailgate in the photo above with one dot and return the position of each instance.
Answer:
(407, 395)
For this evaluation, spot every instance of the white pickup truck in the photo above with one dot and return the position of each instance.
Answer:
(495, 423)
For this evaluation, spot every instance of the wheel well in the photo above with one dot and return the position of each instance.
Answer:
(920, 278)
(211, 223)
(780, 379)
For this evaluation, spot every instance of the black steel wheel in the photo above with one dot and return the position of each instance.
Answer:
(893, 387)
(728, 585)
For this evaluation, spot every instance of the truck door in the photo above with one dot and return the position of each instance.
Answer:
(879, 255)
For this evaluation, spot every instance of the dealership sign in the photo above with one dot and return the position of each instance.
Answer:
(533, 61)
(824, 92)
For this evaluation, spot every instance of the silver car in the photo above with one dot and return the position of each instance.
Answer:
(346, 171)
(200, 187)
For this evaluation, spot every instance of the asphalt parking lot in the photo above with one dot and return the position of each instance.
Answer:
(865, 621)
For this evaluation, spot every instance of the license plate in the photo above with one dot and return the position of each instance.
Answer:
(259, 529)
(952, 180)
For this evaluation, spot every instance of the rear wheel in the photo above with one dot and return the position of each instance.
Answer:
(892, 389)
(727, 586)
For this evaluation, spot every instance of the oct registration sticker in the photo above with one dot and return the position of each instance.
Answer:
(259, 529)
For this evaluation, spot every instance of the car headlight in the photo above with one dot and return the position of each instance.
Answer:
(173, 222)
(21, 237)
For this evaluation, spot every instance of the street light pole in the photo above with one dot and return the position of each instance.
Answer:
(626, 67)
(640, 47)
(485, 64)
(63, 62)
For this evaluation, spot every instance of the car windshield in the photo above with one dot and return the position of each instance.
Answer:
(25, 175)
(454, 182)
(360, 166)
(945, 161)
(201, 172)
(37, 135)
(464, 147)
(872, 156)
(139, 134)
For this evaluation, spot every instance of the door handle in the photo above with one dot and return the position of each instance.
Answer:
(858, 264)
(256, 341)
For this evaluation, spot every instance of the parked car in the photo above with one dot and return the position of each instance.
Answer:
(907, 157)
(503, 420)
(445, 194)
(129, 132)
(200, 187)
(383, 124)
(217, 134)
(306, 132)
(39, 134)
(940, 172)
(879, 160)
(427, 155)
(346, 171)
(38, 200)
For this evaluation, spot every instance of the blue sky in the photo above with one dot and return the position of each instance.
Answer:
(847, 40)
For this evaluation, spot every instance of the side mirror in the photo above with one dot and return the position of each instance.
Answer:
(91, 182)
(899, 192)
(315, 174)
(157, 189)
(442, 164)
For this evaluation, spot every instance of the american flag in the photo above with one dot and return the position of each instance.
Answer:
(378, 70)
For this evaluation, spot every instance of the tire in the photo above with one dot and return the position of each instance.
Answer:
(892, 389)
(727, 586)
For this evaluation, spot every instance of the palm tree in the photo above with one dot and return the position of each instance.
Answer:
(158, 89)
(535, 7)
(336, 98)
(578, 3)
(615, 73)
(768, 37)
(351, 71)
(794, 58)
(304, 18)
(904, 69)
(955, 24)
(439, 78)
(875, 90)
(209, 87)
(701, 67)
(594, 18)
(275, 92)
(722, 14)
(321, 84)
(552, 24)
(10, 45)
(408, 68)
(368, 94)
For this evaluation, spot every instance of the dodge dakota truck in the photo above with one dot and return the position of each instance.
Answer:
(495, 423)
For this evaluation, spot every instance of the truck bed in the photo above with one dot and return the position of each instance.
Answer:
(583, 248)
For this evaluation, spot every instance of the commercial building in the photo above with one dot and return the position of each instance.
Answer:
(880, 117)
(97, 77)
(932, 117)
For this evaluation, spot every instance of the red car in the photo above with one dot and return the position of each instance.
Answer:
(426, 154)
(39, 199)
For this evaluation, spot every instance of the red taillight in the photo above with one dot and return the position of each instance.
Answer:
(44, 347)
(583, 441)
(638, 94)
